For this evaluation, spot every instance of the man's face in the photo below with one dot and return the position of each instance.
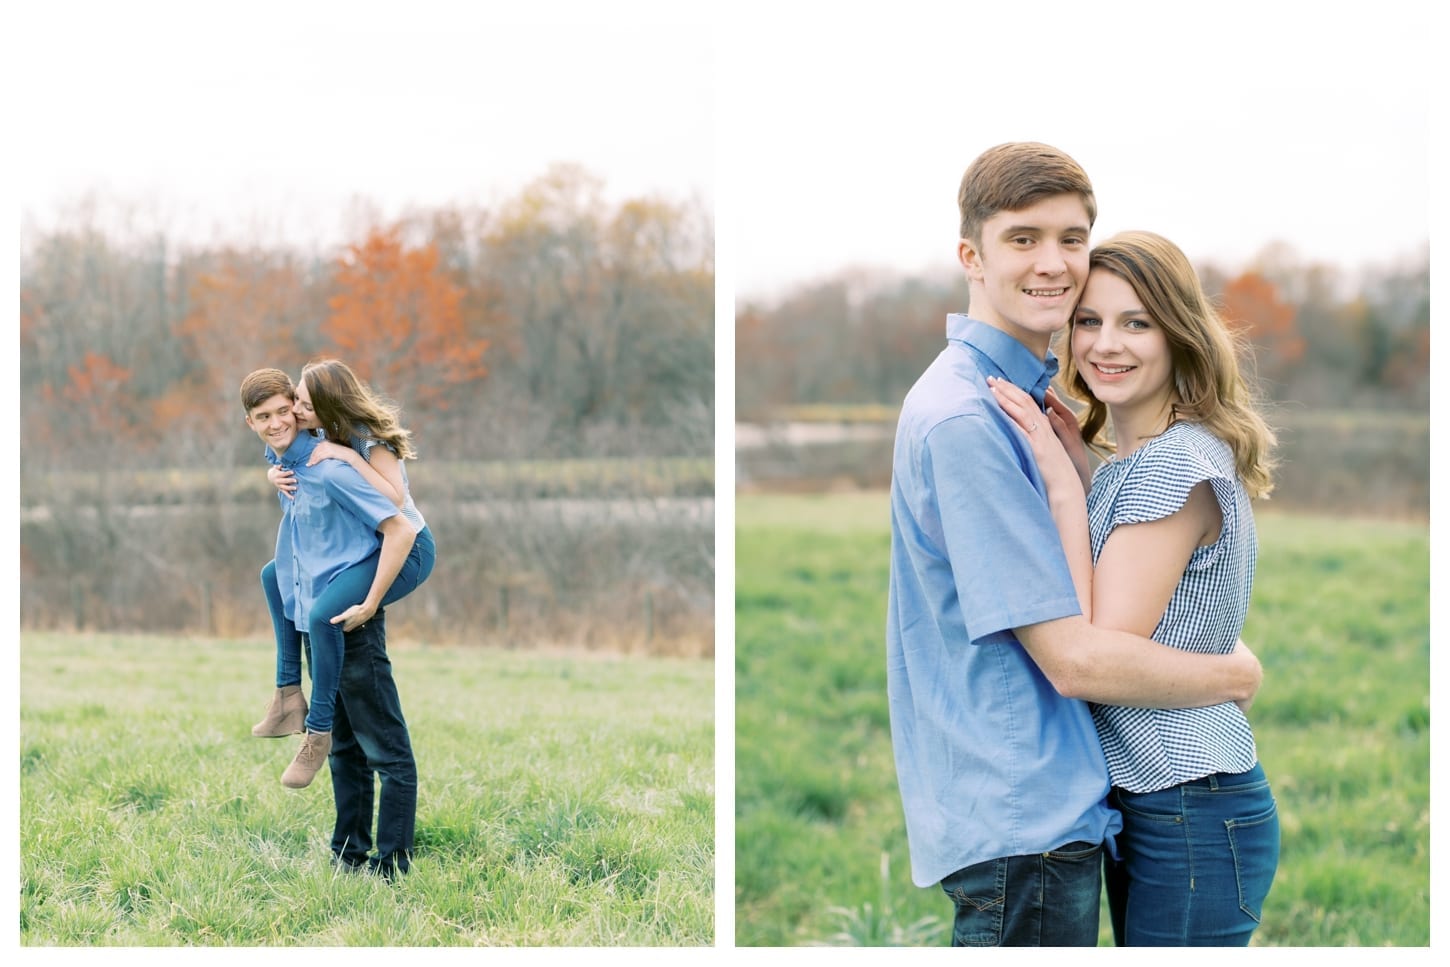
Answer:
(1029, 269)
(274, 422)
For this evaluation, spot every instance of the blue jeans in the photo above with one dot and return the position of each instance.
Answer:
(1039, 900)
(370, 739)
(1196, 864)
(342, 592)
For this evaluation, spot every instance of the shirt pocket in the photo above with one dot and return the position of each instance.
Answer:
(311, 505)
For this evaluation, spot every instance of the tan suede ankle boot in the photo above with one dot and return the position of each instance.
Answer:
(285, 715)
(310, 756)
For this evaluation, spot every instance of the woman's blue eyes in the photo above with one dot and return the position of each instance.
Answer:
(1136, 324)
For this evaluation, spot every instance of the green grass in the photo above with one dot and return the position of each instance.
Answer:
(563, 800)
(1340, 620)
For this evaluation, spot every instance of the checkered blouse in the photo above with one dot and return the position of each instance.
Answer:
(364, 444)
(1151, 749)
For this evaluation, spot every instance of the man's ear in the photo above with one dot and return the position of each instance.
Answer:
(970, 255)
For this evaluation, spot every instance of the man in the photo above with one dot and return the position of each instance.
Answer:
(989, 659)
(335, 520)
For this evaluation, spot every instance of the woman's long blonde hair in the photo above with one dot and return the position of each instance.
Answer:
(1212, 389)
(343, 403)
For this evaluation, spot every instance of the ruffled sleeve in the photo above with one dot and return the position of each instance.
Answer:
(1163, 473)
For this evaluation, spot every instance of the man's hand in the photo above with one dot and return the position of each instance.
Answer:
(356, 616)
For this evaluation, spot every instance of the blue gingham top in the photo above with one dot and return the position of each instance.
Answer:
(364, 444)
(1150, 749)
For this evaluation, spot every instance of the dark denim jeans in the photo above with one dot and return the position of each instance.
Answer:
(370, 738)
(1197, 862)
(1039, 900)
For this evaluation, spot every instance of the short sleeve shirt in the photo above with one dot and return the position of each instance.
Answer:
(990, 759)
(1151, 749)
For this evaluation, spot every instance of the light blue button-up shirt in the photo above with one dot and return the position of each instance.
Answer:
(991, 760)
(330, 525)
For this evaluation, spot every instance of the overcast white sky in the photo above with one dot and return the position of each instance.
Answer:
(827, 135)
(279, 114)
(1223, 126)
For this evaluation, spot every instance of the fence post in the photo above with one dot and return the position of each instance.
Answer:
(503, 608)
(649, 617)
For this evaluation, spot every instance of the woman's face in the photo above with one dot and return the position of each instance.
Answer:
(1121, 352)
(306, 417)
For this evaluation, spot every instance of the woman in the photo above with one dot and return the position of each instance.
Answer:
(363, 431)
(1165, 546)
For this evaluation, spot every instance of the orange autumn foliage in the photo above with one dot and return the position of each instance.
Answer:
(1252, 303)
(94, 403)
(244, 302)
(396, 320)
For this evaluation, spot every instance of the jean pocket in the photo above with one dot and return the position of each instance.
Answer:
(1077, 852)
(980, 895)
(981, 887)
(1254, 841)
(1163, 806)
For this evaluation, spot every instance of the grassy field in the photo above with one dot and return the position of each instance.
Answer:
(563, 800)
(1340, 620)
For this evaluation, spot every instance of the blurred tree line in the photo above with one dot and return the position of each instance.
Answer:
(1320, 337)
(552, 354)
(555, 326)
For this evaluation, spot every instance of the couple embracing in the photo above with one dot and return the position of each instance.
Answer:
(1066, 683)
(351, 541)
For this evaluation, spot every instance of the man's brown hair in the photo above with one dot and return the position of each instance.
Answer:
(263, 384)
(1013, 176)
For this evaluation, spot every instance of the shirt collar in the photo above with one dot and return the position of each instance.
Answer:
(1014, 360)
(296, 454)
